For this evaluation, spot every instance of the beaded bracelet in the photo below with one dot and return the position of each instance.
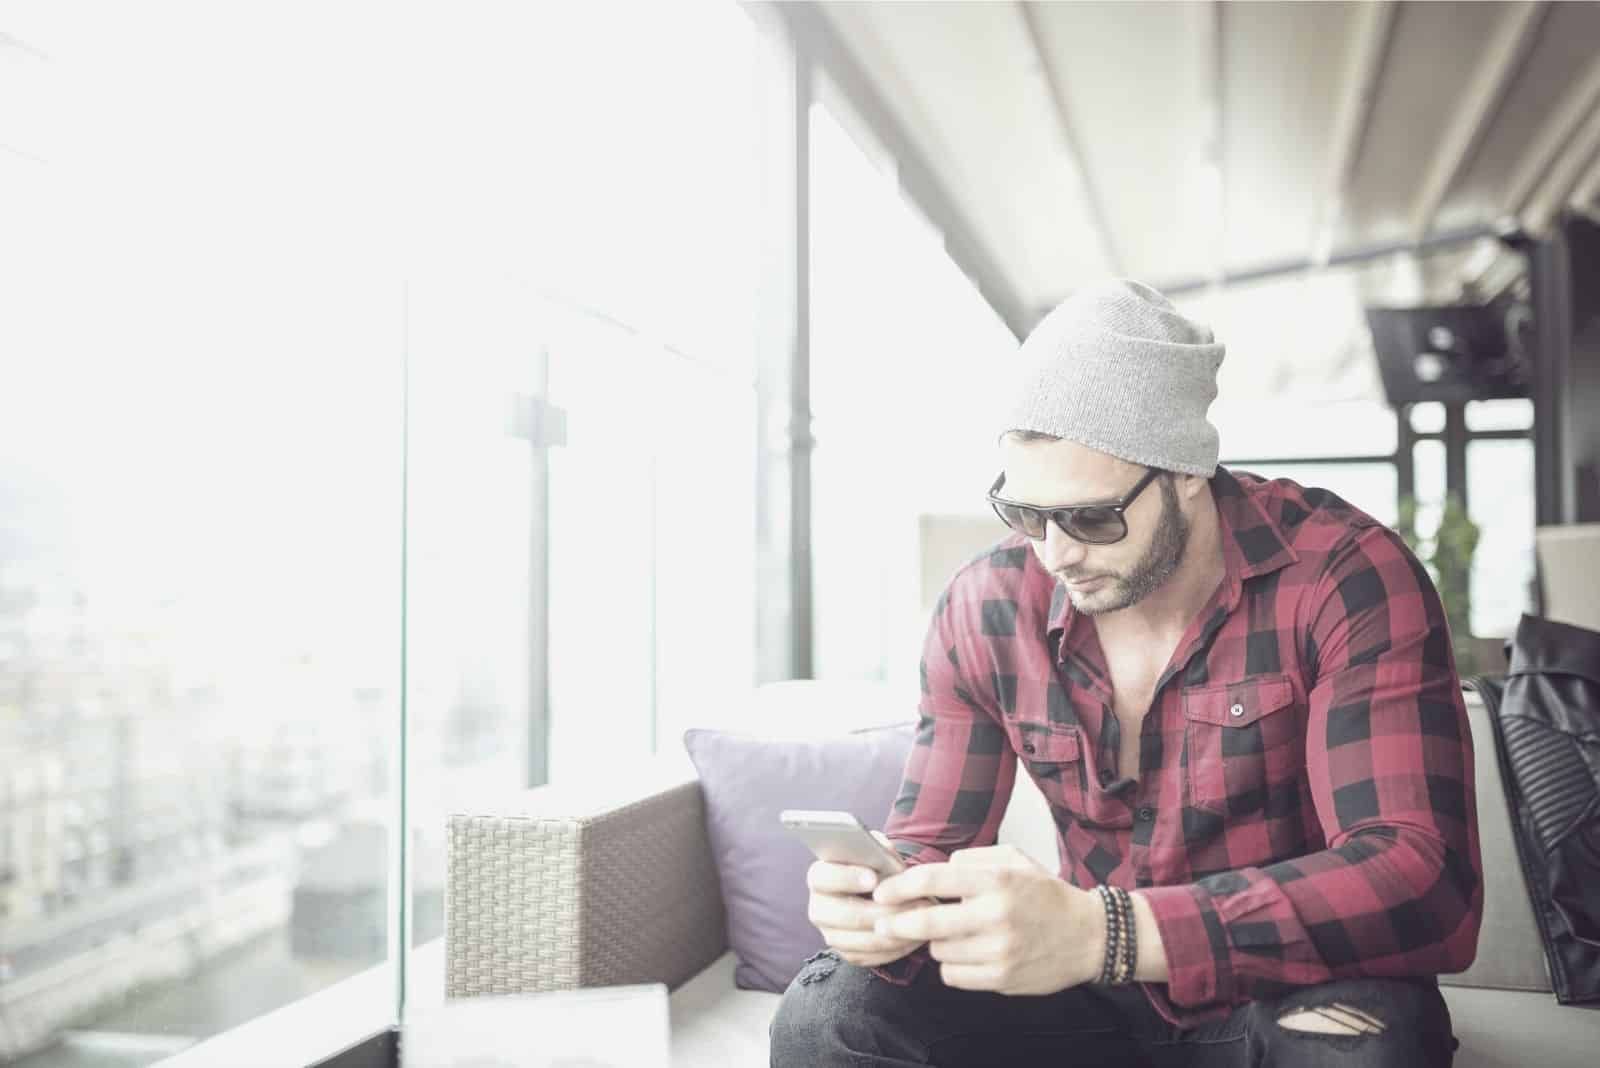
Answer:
(1119, 972)
(1108, 969)
(1130, 951)
(1115, 935)
(1121, 950)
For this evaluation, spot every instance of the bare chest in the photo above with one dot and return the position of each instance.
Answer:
(1133, 688)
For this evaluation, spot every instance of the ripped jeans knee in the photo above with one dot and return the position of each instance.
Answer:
(817, 967)
(1334, 1018)
(1361, 1022)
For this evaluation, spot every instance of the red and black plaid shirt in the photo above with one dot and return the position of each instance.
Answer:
(1304, 809)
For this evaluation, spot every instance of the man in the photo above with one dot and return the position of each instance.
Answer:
(1238, 698)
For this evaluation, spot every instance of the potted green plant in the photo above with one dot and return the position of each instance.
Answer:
(1448, 557)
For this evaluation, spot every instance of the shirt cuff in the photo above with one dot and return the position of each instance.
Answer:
(903, 972)
(1199, 967)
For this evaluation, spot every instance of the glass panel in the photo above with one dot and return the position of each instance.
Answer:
(891, 445)
(651, 278)
(1427, 417)
(472, 344)
(1268, 431)
(705, 549)
(642, 205)
(1373, 488)
(1429, 475)
(199, 529)
(1293, 342)
(602, 545)
(1507, 413)
(1500, 500)
(652, 547)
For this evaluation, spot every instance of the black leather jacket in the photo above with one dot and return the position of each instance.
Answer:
(1546, 714)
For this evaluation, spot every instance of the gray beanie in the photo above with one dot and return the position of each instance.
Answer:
(1117, 368)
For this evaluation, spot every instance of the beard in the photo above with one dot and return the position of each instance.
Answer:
(1150, 572)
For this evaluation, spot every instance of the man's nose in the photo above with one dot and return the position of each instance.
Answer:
(1061, 553)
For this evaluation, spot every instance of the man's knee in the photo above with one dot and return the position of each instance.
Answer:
(834, 1011)
(805, 1030)
(1362, 1021)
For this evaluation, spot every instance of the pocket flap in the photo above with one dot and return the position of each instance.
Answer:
(1046, 744)
(1238, 704)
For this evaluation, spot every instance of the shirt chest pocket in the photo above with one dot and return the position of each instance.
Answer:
(1242, 741)
(1053, 756)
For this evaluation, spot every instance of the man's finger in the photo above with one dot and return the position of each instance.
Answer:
(859, 941)
(848, 913)
(872, 960)
(979, 949)
(999, 856)
(936, 880)
(970, 976)
(840, 878)
(934, 921)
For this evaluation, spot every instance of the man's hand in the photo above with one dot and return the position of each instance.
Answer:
(1017, 929)
(845, 916)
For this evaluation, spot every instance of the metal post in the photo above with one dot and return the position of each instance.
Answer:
(783, 379)
(1405, 457)
(398, 896)
(544, 427)
(1455, 451)
(799, 437)
(1550, 277)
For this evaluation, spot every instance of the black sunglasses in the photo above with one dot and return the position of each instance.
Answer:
(1093, 524)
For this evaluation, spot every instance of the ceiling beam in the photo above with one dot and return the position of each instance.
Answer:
(1582, 153)
(1076, 159)
(1373, 35)
(1555, 136)
(1345, 257)
(810, 29)
(1480, 101)
(1588, 191)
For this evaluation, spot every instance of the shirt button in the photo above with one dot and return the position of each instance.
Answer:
(1027, 747)
(1146, 814)
(1236, 710)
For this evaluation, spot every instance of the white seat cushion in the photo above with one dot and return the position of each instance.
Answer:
(716, 1024)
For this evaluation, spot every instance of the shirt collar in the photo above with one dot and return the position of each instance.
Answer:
(1253, 544)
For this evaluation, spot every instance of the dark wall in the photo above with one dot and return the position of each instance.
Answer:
(1565, 274)
(1583, 427)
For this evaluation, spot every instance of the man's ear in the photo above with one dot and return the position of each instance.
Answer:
(1190, 486)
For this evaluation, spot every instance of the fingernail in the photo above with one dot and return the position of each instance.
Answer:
(868, 880)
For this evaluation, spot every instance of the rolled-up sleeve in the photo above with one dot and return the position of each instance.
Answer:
(959, 773)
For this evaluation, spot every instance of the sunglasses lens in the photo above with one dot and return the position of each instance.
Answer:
(1027, 521)
(1098, 526)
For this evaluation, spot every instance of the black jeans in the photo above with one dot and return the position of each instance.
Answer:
(836, 1015)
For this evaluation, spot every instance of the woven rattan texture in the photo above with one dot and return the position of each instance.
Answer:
(628, 895)
(511, 905)
(652, 904)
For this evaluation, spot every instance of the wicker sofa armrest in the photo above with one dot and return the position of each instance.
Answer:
(564, 889)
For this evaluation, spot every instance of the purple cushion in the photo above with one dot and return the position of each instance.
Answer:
(747, 781)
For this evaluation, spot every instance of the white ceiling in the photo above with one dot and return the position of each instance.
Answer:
(1182, 142)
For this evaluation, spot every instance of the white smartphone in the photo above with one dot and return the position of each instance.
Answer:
(838, 837)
